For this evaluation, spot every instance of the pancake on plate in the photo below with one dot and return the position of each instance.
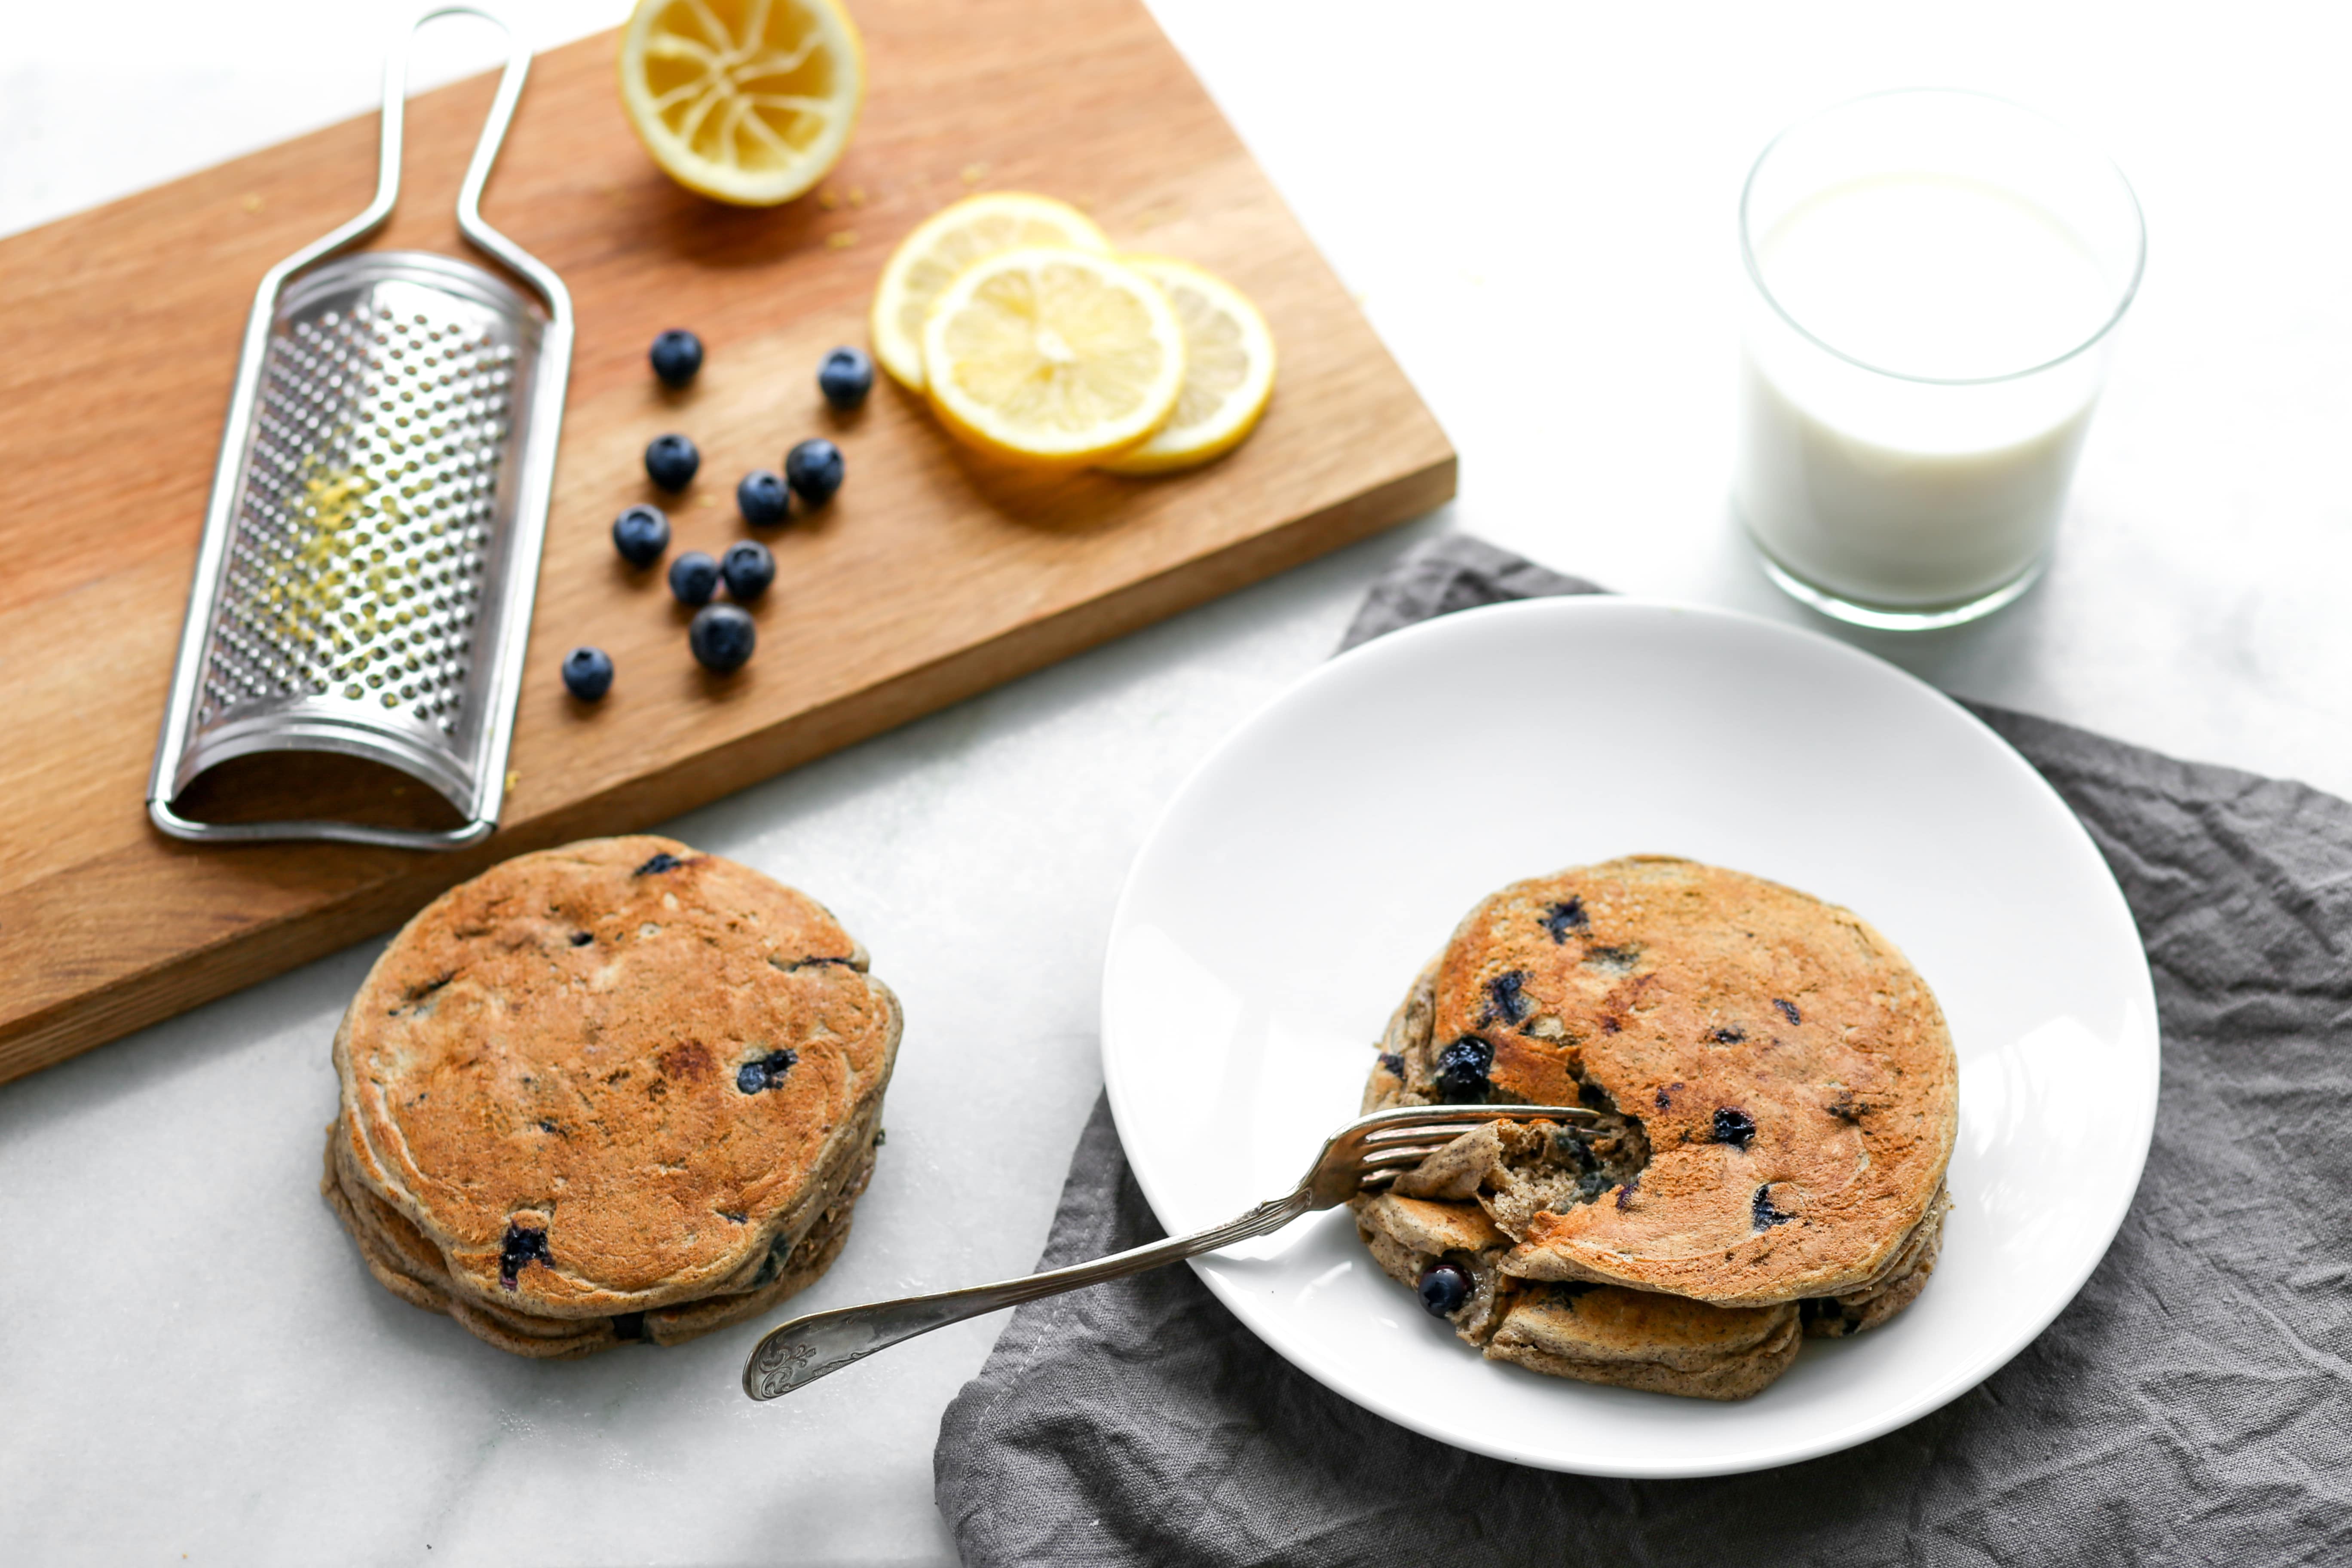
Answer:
(1778, 1096)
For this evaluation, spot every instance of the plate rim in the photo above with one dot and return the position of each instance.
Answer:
(1935, 1395)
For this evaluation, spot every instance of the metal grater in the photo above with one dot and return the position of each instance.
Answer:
(371, 549)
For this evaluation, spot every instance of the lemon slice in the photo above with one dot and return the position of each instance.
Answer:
(747, 101)
(951, 240)
(1228, 370)
(1050, 356)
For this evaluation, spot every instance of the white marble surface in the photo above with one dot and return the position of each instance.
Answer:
(1536, 202)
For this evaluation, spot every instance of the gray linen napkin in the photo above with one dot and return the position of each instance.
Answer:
(2194, 1404)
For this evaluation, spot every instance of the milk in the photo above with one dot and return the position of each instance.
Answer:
(1862, 470)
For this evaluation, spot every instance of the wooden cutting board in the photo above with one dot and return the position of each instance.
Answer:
(929, 578)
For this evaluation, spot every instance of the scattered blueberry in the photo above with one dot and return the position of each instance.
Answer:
(722, 637)
(748, 569)
(846, 377)
(694, 577)
(628, 1325)
(1789, 1011)
(1561, 918)
(1445, 1287)
(1761, 1209)
(582, 938)
(676, 355)
(1731, 1036)
(1734, 1126)
(663, 861)
(588, 673)
(521, 1247)
(765, 1073)
(670, 462)
(1392, 1062)
(1462, 1071)
(1505, 1002)
(814, 470)
(641, 534)
(762, 499)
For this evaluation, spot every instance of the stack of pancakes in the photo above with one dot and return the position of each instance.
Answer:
(614, 1091)
(1777, 1098)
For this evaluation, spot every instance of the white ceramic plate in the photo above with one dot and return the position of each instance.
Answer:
(1319, 855)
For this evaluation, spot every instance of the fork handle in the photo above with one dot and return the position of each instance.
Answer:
(795, 1354)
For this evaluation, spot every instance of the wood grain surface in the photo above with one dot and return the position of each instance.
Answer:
(931, 576)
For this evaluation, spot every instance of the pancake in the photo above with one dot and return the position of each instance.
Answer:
(1778, 1084)
(617, 1091)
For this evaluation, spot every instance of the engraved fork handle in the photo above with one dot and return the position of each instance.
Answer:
(795, 1354)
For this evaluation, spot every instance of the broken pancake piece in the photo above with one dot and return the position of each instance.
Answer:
(609, 1092)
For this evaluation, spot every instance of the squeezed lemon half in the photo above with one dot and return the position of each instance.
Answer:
(945, 243)
(1048, 354)
(747, 101)
(1228, 370)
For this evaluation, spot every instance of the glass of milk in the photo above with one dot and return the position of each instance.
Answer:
(1934, 279)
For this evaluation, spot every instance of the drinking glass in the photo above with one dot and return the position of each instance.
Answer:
(1934, 279)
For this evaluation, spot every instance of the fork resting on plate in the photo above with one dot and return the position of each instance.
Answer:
(1364, 1156)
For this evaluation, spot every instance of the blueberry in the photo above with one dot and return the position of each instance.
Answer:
(588, 673)
(1462, 1071)
(1761, 1209)
(694, 577)
(762, 499)
(813, 469)
(1392, 1063)
(1445, 1287)
(1734, 1126)
(641, 534)
(723, 637)
(749, 569)
(1504, 1001)
(676, 355)
(765, 1073)
(662, 861)
(521, 1247)
(1561, 918)
(1789, 1011)
(846, 377)
(670, 462)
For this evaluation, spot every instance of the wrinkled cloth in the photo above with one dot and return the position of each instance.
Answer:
(2192, 1406)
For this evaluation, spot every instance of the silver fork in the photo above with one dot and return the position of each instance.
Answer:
(1364, 1156)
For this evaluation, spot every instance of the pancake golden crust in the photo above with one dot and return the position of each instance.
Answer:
(615, 1078)
(1791, 1075)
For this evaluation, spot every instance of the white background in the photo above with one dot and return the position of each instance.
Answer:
(1535, 202)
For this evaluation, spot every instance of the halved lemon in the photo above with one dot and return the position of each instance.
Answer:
(747, 102)
(945, 243)
(1050, 356)
(1228, 370)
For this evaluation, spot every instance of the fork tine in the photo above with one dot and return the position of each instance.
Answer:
(1400, 1160)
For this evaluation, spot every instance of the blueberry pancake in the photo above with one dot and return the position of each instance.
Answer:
(614, 1091)
(1780, 1090)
